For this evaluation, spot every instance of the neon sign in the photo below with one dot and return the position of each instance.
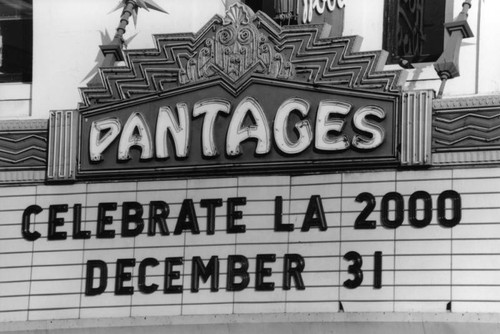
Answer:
(210, 129)
(325, 131)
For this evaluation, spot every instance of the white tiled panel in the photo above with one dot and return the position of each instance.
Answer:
(423, 269)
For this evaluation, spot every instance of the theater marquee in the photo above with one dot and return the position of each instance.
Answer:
(235, 171)
(294, 128)
(242, 96)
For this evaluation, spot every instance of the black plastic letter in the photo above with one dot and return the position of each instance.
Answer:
(27, 234)
(456, 201)
(278, 217)
(122, 276)
(377, 270)
(315, 215)
(77, 224)
(354, 269)
(187, 219)
(147, 262)
(135, 218)
(232, 215)
(103, 220)
(232, 272)
(211, 204)
(159, 218)
(55, 221)
(295, 272)
(361, 222)
(170, 275)
(199, 270)
(412, 209)
(89, 277)
(261, 272)
(399, 210)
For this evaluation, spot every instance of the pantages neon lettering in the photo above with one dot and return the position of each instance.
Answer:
(325, 132)
(308, 6)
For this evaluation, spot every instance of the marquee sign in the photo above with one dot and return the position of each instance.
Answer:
(289, 129)
(246, 96)
(242, 95)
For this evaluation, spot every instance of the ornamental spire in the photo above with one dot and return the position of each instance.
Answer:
(113, 50)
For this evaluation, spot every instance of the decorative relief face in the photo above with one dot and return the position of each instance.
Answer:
(238, 48)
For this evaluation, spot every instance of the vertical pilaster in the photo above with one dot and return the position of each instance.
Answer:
(416, 128)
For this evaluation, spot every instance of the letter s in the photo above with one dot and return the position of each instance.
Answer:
(361, 123)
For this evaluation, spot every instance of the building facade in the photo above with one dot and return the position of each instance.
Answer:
(242, 166)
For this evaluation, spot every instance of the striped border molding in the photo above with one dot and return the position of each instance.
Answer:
(23, 146)
(466, 130)
(23, 125)
(27, 176)
(467, 102)
(416, 128)
(63, 139)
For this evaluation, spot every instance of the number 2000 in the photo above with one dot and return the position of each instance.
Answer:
(444, 199)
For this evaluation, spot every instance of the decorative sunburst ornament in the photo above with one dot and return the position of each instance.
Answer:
(113, 50)
(131, 7)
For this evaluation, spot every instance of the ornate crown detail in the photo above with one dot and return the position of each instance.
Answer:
(237, 49)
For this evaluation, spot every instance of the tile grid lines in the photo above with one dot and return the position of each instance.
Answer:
(279, 272)
(85, 250)
(248, 186)
(253, 302)
(83, 255)
(340, 234)
(133, 255)
(184, 258)
(31, 269)
(279, 286)
(81, 249)
(394, 252)
(256, 201)
(235, 244)
(295, 199)
(451, 250)
(308, 271)
(118, 234)
(288, 233)
(318, 183)
(62, 308)
(487, 238)
(279, 257)
(271, 229)
(269, 243)
(297, 301)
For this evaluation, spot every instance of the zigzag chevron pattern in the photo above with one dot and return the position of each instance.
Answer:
(467, 130)
(23, 150)
(294, 53)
